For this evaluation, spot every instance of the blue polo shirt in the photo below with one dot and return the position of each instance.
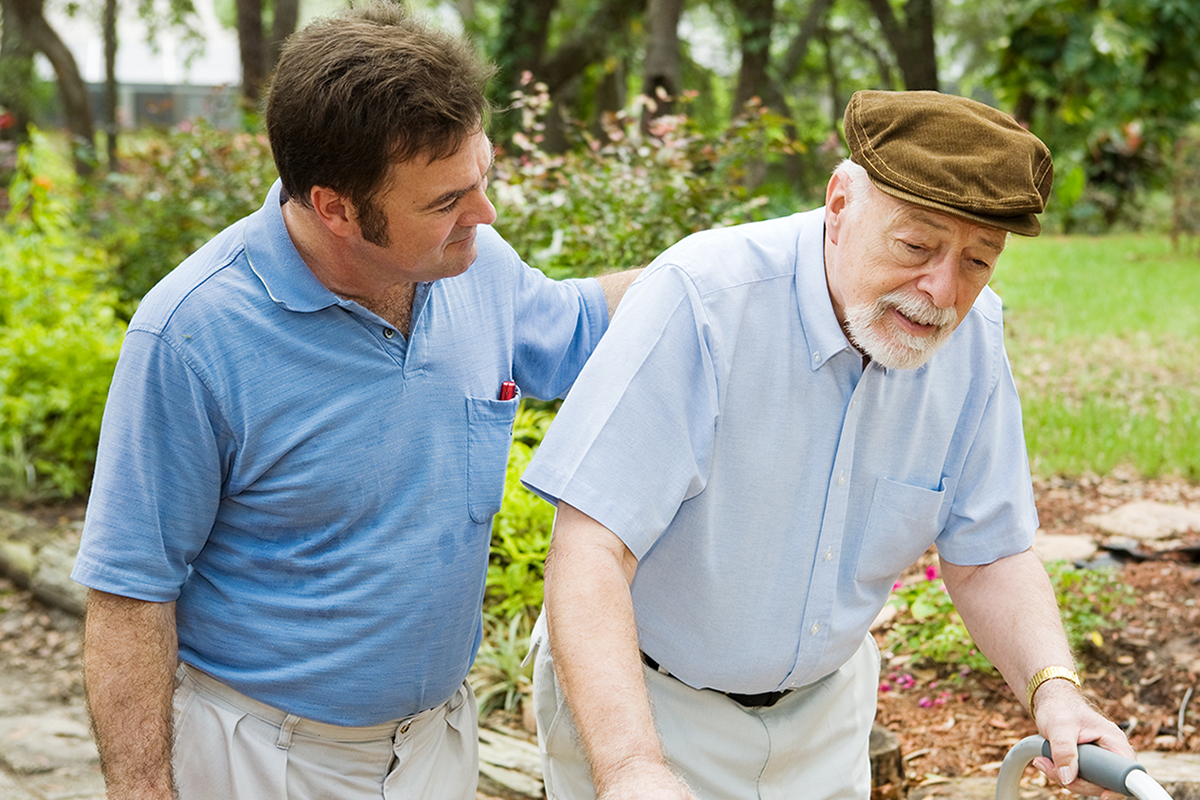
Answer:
(771, 489)
(314, 490)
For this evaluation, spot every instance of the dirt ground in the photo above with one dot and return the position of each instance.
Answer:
(1144, 675)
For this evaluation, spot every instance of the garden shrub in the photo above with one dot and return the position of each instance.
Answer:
(521, 530)
(930, 629)
(59, 338)
(173, 194)
(616, 202)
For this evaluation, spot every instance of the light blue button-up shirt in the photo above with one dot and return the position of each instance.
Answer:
(771, 489)
(315, 490)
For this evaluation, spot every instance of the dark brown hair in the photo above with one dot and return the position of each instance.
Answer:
(366, 88)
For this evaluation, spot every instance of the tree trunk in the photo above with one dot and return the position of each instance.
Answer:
(660, 78)
(287, 14)
(252, 48)
(756, 18)
(798, 49)
(521, 44)
(32, 24)
(16, 75)
(109, 118)
(911, 40)
(589, 42)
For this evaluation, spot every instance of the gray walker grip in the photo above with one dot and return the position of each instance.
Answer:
(1102, 767)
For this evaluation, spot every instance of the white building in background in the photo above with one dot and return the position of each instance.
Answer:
(161, 79)
(164, 78)
(167, 78)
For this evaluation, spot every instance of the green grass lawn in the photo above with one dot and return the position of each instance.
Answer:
(1104, 339)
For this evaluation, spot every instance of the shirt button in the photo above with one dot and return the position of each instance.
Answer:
(816, 627)
(853, 402)
(816, 358)
(829, 554)
(388, 333)
(842, 479)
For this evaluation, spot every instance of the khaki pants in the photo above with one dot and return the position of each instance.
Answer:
(230, 747)
(812, 744)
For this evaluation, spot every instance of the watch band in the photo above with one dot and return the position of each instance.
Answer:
(1049, 674)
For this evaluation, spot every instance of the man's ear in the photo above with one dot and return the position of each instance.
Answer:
(335, 211)
(837, 197)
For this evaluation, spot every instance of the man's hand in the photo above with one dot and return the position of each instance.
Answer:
(1066, 718)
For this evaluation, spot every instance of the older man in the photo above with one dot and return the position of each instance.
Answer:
(785, 416)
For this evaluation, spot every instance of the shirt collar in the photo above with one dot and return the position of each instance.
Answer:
(824, 335)
(278, 264)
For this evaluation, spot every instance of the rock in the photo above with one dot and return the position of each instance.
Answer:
(39, 743)
(1179, 773)
(510, 766)
(1146, 520)
(1064, 547)
(40, 559)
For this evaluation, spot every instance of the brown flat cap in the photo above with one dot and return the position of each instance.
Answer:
(953, 155)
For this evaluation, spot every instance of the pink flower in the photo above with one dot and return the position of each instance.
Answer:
(925, 702)
(931, 573)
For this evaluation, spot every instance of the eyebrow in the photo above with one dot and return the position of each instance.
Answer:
(934, 222)
(458, 194)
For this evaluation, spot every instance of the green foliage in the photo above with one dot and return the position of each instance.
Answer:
(59, 337)
(521, 531)
(930, 629)
(1088, 600)
(175, 192)
(520, 541)
(1108, 84)
(617, 202)
(499, 678)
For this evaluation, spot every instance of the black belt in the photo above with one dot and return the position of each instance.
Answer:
(762, 700)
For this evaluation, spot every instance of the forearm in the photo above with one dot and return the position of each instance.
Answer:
(614, 285)
(130, 658)
(597, 661)
(1011, 612)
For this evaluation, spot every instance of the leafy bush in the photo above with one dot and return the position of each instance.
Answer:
(617, 202)
(173, 194)
(521, 531)
(59, 338)
(929, 627)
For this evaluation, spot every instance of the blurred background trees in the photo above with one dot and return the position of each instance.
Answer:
(1110, 84)
(622, 126)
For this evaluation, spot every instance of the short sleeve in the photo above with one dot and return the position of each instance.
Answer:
(158, 475)
(635, 436)
(558, 324)
(993, 514)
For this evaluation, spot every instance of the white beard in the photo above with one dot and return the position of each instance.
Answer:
(894, 348)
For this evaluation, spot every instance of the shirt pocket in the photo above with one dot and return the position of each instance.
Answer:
(903, 522)
(489, 435)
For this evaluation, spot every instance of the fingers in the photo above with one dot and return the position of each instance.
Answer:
(1054, 774)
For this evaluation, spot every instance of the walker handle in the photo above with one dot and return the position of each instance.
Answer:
(1102, 767)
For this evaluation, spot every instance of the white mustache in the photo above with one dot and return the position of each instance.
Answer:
(916, 308)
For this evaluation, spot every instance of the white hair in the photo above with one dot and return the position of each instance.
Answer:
(859, 187)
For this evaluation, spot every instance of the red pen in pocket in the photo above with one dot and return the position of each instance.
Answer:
(508, 390)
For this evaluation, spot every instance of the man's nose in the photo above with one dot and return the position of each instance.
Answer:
(481, 212)
(940, 281)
